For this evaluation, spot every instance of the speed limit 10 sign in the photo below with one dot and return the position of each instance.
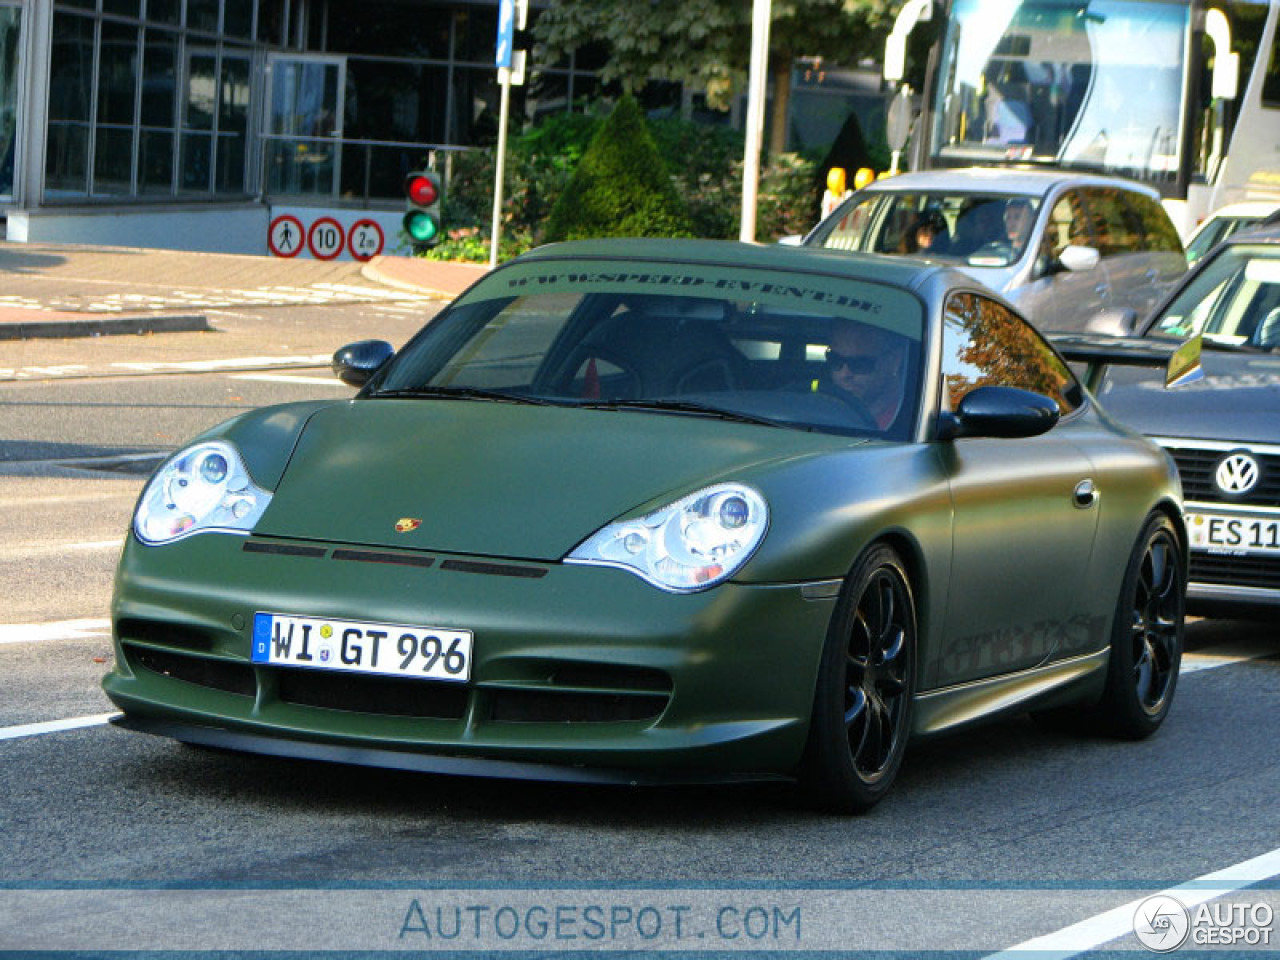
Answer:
(325, 239)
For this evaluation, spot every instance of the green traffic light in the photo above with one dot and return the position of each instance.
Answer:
(421, 227)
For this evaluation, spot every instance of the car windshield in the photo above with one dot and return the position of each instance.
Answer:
(977, 229)
(793, 350)
(1215, 232)
(1233, 301)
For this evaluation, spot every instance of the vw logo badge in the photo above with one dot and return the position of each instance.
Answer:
(1237, 473)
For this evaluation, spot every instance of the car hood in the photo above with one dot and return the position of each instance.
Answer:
(497, 479)
(1238, 400)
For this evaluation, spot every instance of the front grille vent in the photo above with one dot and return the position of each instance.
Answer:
(389, 696)
(1218, 569)
(282, 549)
(553, 706)
(1198, 467)
(201, 671)
(493, 569)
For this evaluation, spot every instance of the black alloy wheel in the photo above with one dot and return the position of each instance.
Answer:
(862, 705)
(1146, 640)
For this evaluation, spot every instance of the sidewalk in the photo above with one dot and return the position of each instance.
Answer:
(63, 290)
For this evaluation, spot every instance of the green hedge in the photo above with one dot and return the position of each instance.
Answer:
(703, 161)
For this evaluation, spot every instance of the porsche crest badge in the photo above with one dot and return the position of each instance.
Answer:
(406, 524)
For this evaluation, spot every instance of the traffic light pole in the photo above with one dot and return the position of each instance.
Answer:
(761, 12)
(500, 166)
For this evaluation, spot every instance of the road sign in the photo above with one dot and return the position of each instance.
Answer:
(325, 238)
(506, 33)
(899, 125)
(285, 236)
(365, 239)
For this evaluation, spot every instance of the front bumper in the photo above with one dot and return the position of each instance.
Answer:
(579, 672)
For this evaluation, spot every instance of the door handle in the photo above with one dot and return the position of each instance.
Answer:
(1101, 289)
(1152, 274)
(1086, 494)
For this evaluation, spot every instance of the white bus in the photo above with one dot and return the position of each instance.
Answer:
(1180, 94)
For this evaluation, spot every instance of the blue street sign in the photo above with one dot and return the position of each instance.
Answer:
(506, 32)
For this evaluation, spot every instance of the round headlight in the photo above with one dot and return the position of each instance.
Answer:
(205, 487)
(692, 544)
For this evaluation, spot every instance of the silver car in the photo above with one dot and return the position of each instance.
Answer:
(1063, 247)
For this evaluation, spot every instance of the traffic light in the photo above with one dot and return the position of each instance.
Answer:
(422, 220)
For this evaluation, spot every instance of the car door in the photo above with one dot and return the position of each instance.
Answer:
(1021, 540)
(1055, 298)
(1118, 234)
(1162, 249)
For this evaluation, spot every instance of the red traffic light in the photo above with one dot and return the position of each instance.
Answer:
(421, 189)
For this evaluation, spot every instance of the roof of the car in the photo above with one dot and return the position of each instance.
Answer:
(1007, 180)
(896, 271)
(1249, 208)
(1259, 234)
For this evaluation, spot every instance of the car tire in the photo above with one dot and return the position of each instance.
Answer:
(862, 702)
(1146, 637)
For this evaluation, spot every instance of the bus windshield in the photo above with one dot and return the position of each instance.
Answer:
(1085, 83)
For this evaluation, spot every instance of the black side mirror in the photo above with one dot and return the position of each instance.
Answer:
(355, 363)
(1005, 412)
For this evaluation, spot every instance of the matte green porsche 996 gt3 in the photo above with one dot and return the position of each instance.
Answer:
(662, 511)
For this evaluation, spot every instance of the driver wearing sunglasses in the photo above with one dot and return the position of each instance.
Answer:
(865, 363)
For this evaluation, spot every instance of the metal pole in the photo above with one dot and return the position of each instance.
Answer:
(756, 89)
(504, 108)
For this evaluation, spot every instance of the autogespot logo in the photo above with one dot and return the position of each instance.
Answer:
(1237, 473)
(1161, 924)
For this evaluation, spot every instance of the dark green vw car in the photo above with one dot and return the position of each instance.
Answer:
(662, 511)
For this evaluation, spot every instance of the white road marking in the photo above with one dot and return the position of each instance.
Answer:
(26, 551)
(25, 502)
(315, 360)
(1227, 653)
(63, 370)
(285, 378)
(55, 726)
(1116, 923)
(57, 630)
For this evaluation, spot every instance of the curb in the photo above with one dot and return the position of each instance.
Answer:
(103, 326)
(402, 274)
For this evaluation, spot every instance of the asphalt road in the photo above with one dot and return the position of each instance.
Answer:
(1008, 807)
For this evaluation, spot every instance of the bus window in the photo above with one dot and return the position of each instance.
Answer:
(1051, 81)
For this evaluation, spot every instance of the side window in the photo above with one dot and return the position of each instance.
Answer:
(984, 344)
(1271, 81)
(1066, 226)
(850, 231)
(1158, 233)
(1116, 227)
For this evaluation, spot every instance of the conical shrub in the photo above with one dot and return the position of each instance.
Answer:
(621, 187)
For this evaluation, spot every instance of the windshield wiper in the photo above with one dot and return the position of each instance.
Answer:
(465, 393)
(683, 406)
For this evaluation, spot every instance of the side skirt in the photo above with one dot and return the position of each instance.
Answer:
(940, 710)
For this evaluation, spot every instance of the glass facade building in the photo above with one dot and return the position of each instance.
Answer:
(129, 103)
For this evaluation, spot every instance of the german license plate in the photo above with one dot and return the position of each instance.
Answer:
(1233, 533)
(354, 646)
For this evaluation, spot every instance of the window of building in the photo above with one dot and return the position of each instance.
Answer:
(148, 106)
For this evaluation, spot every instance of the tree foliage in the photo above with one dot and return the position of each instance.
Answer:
(705, 44)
